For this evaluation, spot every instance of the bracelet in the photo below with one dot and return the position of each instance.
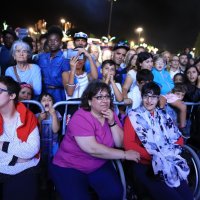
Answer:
(70, 85)
(111, 125)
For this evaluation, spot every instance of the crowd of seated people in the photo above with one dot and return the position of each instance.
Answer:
(97, 132)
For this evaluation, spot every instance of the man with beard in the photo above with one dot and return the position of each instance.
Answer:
(183, 60)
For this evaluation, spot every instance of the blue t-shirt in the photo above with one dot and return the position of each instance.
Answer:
(52, 69)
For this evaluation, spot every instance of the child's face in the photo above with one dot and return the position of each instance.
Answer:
(159, 64)
(180, 95)
(178, 79)
(47, 102)
(108, 70)
(25, 94)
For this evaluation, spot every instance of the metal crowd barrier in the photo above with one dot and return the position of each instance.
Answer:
(118, 163)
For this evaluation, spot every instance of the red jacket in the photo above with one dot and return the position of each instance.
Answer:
(28, 119)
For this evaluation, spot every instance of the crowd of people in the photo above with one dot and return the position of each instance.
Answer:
(147, 128)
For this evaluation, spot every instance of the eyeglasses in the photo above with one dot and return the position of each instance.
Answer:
(153, 97)
(3, 90)
(100, 98)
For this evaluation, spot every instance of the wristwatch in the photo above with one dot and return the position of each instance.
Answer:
(111, 125)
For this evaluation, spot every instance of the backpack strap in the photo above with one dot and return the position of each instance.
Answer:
(16, 74)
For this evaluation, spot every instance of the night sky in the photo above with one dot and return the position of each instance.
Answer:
(169, 25)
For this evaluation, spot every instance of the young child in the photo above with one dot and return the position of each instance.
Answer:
(179, 90)
(108, 70)
(162, 77)
(49, 123)
(143, 76)
(26, 92)
(179, 78)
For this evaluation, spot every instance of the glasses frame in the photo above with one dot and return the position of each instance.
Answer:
(101, 97)
(153, 97)
(3, 90)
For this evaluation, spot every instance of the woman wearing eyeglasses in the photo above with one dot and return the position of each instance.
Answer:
(151, 132)
(19, 145)
(84, 158)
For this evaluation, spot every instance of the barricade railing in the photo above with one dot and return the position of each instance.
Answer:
(68, 103)
(78, 103)
(34, 103)
(192, 103)
(65, 103)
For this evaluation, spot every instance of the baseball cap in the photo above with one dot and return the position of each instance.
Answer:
(80, 35)
(122, 44)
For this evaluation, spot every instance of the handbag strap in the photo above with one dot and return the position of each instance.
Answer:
(16, 74)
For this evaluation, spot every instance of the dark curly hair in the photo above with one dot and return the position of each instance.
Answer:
(55, 30)
(92, 89)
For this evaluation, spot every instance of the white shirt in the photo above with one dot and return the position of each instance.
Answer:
(132, 73)
(116, 109)
(135, 96)
(80, 86)
(32, 76)
(23, 150)
(172, 73)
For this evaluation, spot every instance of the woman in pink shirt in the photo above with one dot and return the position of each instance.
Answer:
(92, 140)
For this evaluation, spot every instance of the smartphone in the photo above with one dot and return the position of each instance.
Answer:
(72, 53)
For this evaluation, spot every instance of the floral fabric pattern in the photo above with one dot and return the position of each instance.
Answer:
(158, 135)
